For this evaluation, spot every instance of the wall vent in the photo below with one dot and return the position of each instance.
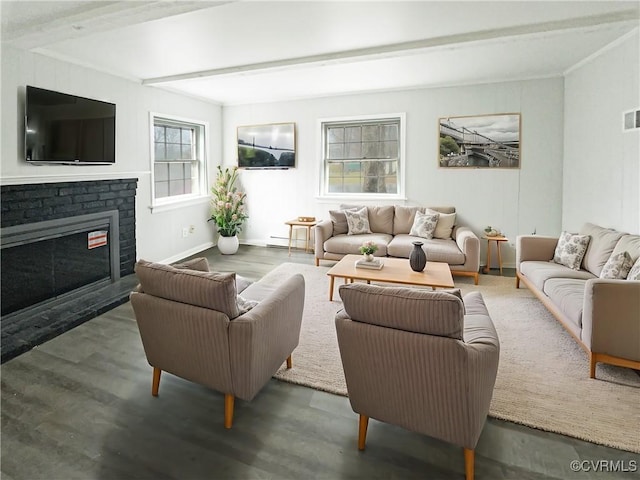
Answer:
(631, 120)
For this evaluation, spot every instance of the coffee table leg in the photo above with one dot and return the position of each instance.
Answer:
(331, 287)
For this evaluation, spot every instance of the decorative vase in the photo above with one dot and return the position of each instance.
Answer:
(228, 245)
(417, 258)
(368, 257)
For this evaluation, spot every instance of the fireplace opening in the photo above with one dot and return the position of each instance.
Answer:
(49, 261)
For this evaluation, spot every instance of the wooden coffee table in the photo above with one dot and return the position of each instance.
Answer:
(395, 270)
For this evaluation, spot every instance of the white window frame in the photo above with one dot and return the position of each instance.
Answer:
(202, 136)
(324, 194)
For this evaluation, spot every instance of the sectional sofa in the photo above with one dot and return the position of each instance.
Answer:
(390, 227)
(602, 314)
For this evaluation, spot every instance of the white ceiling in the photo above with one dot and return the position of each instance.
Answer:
(253, 51)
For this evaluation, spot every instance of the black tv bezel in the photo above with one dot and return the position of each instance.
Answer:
(66, 162)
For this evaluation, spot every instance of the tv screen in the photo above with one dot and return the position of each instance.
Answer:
(67, 129)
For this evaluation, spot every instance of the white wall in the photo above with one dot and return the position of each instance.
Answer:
(159, 235)
(601, 163)
(515, 201)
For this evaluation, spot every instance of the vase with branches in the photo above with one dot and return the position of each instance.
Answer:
(228, 203)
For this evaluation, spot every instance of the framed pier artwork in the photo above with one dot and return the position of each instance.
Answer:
(480, 141)
(267, 146)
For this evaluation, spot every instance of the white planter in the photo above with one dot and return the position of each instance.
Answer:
(228, 245)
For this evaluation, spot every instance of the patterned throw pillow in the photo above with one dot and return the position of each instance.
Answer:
(634, 273)
(424, 224)
(571, 249)
(358, 221)
(617, 266)
(446, 222)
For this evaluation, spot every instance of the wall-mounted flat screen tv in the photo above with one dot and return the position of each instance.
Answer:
(67, 129)
(267, 146)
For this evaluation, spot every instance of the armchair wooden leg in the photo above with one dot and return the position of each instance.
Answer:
(317, 262)
(228, 410)
(156, 381)
(592, 365)
(362, 431)
(469, 458)
(517, 281)
(475, 278)
(289, 362)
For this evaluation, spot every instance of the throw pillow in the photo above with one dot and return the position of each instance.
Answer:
(201, 264)
(444, 227)
(570, 250)
(634, 273)
(358, 221)
(617, 266)
(244, 305)
(424, 224)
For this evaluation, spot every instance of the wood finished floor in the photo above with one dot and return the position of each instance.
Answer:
(80, 407)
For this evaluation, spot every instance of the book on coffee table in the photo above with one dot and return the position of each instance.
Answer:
(373, 265)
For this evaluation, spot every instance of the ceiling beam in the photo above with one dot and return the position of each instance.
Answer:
(415, 46)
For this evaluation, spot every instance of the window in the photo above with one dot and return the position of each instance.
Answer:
(363, 157)
(178, 160)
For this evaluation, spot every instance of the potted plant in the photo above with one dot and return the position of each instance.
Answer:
(228, 211)
(367, 249)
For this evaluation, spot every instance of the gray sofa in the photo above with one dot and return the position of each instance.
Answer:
(390, 226)
(602, 315)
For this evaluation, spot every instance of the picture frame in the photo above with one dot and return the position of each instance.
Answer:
(265, 146)
(480, 141)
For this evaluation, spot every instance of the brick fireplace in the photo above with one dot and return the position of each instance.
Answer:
(61, 243)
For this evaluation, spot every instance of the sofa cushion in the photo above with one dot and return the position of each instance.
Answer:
(437, 250)
(601, 245)
(216, 291)
(345, 244)
(403, 218)
(538, 272)
(570, 250)
(339, 221)
(410, 309)
(381, 219)
(628, 243)
(617, 267)
(446, 222)
(424, 224)
(358, 221)
(568, 295)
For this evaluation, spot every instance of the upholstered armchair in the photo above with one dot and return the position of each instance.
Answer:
(414, 358)
(193, 325)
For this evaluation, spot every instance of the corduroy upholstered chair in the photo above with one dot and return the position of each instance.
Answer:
(415, 359)
(193, 326)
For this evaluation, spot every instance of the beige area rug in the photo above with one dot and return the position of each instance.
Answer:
(543, 377)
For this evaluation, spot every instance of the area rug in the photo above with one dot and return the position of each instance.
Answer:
(543, 377)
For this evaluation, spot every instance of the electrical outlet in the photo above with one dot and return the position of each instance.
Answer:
(185, 232)
(192, 228)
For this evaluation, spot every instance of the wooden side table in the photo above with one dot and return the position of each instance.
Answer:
(498, 240)
(298, 223)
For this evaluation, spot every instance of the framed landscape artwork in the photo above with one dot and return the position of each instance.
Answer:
(483, 141)
(267, 146)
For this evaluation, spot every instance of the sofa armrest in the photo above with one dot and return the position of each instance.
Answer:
(469, 243)
(261, 339)
(611, 317)
(534, 247)
(323, 231)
